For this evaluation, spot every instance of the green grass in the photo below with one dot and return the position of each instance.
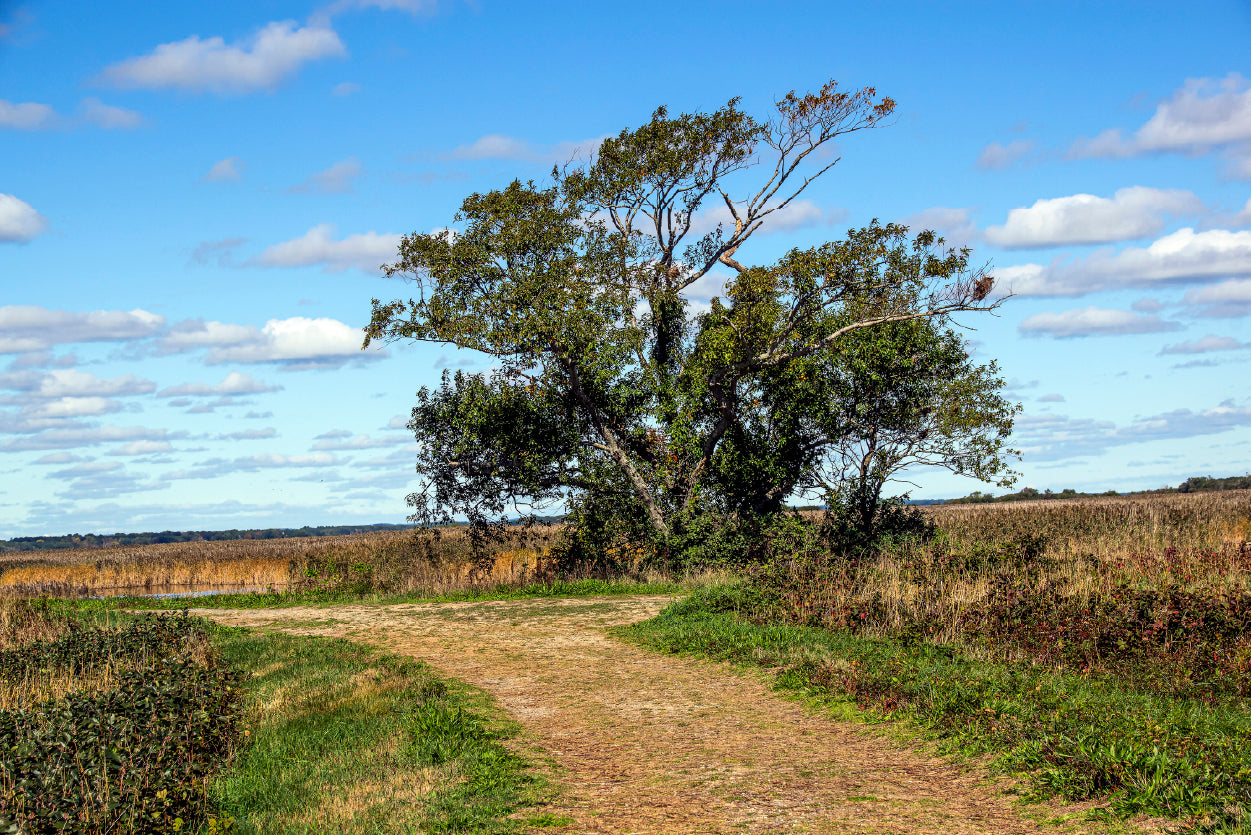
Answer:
(269, 600)
(1073, 737)
(343, 738)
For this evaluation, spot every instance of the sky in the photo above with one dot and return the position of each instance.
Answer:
(195, 199)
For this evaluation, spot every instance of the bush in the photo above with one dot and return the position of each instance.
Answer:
(132, 759)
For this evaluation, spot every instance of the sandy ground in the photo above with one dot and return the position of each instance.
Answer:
(644, 744)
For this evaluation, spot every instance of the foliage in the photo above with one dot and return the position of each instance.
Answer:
(1144, 753)
(610, 394)
(134, 758)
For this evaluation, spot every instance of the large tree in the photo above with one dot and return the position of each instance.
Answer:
(611, 391)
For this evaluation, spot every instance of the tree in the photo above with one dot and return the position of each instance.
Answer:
(612, 395)
(908, 394)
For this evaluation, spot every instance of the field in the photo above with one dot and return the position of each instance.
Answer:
(392, 561)
(1098, 650)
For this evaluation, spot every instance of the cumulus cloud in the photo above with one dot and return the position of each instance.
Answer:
(397, 422)
(1130, 213)
(1184, 256)
(19, 222)
(366, 252)
(228, 170)
(216, 467)
(1205, 114)
(1051, 437)
(86, 437)
(70, 407)
(1093, 321)
(260, 62)
(1051, 398)
(499, 146)
(340, 443)
(1205, 345)
(1226, 300)
(236, 383)
(298, 343)
(58, 458)
(142, 448)
(109, 117)
(249, 434)
(26, 116)
(997, 157)
(25, 328)
(337, 179)
(69, 382)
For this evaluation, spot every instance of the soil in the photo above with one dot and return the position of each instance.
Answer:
(644, 744)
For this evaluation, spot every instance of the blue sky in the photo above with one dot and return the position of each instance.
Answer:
(194, 200)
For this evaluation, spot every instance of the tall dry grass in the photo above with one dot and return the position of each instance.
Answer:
(393, 561)
(987, 555)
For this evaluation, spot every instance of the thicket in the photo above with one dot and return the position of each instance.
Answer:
(141, 717)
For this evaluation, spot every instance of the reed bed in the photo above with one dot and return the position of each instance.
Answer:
(392, 561)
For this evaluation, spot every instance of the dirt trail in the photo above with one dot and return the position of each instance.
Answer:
(649, 744)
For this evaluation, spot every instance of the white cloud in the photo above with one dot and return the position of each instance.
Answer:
(956, 226)
(249, 434)
(236, 383)
(1093, 321)
(69, 382)
(1184, 256)
(499, 146)
(142, 448)
(1051, 437)
(297, 343)
(215, 467)
(26, 116)
(19, 222)
(366, 252)
(25, 328)
(995, 156)
(58, 458)
(109, 117)
(337, 179)
(1205, 345)
(1203, 115)
(228, 170)
(71, 407)
(74, 438)
(191, 334)
(1135, 212)
(358, 442)
(260, 62)
(1227, 300)
(345, 88)
(397, 422)
(1051, 398)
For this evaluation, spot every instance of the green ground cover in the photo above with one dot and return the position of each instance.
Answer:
(1074, 736)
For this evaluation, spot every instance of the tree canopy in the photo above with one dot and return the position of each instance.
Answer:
(612, 391)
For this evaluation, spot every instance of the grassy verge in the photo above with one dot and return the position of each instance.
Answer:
(1076, 737)
(345, 739)
(269, 600)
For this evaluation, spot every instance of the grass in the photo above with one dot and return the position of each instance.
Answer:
(587, 587)
(345, 739)
(1071, 736)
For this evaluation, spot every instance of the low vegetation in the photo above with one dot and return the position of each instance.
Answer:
(112, 730)
(1103, 648)
(346, 739)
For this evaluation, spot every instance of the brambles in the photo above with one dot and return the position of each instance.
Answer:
(114, 730)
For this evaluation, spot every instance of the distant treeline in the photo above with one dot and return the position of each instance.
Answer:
(91, 540)
(1195, 484)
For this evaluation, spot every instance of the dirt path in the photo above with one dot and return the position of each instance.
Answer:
(648, 743)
